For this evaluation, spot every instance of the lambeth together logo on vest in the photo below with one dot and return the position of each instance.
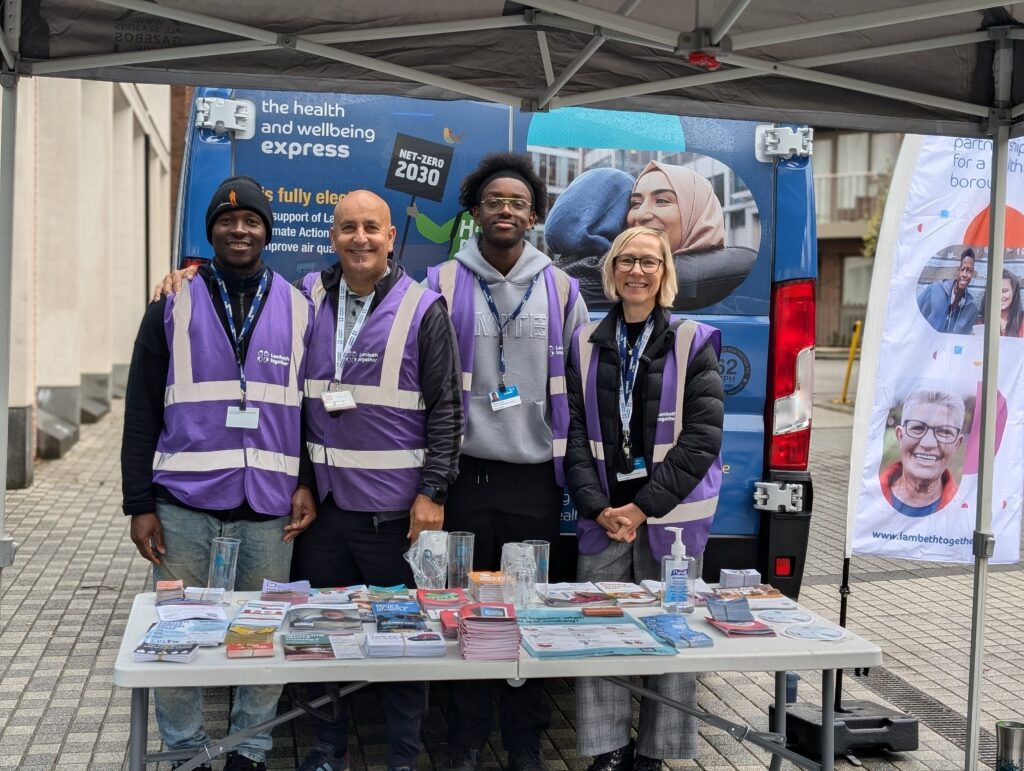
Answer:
(263, 356)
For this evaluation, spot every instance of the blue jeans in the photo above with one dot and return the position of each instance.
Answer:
(263, 554)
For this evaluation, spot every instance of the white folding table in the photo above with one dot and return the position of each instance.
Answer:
(212, 668)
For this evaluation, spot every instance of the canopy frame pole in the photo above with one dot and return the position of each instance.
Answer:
(553, 20)
(302, 44)
(858, 21)
(721, 76)
(545, 57)
(984, 540)
(8, 137)
(595, 17)
(729, 16)
(852, 84)
(581, 58)
(74, 63)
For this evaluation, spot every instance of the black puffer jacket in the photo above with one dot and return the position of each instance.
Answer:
(696, 447)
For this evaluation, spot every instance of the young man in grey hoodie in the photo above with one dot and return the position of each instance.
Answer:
(514, 314)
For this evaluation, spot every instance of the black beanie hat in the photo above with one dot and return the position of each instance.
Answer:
(239, 193)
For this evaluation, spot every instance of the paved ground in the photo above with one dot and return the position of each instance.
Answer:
(64, 603)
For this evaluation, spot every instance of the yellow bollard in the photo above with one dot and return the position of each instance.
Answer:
(854, 343)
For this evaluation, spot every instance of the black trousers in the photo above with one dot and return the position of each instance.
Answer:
(342, 548)
(501, 503)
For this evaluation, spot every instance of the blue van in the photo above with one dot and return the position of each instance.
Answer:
(743, 231)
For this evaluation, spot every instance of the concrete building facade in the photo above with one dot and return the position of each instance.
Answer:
(92, 232)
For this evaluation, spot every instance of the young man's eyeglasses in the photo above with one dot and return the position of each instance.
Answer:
(494, 204)
(624, 263)
(916, 429)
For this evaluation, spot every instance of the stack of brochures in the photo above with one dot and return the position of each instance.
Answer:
(733, 579)
(674, 629)
(433, 601)
(202, 632)
(591, 637)
(760, 597)
(488, 632)
(485, 586)
(251, 634)
(174, 652)
(169, 591)
(626, 594)
(315, 646)
(294, 592)
(214, 596)
(179, 610)
(403, 617)
(324, 617)
(393, 645)
(573, 595)
(734, 619)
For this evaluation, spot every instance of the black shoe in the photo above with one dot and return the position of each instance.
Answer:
(644, 763)
(616, 760)
(463, 760)
(527, 759)
(238, 762)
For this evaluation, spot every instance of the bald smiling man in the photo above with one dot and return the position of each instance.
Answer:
(383, 423)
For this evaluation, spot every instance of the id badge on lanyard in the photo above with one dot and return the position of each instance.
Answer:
(629, 364)
(335, 398)
(507, 395)
(242, 416)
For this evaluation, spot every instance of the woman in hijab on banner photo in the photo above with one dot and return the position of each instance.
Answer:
(673, 199)
(646, 411)
(682, 203)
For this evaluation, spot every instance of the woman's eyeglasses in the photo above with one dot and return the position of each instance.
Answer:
(916, 429)
(494, 204)
(624, 263)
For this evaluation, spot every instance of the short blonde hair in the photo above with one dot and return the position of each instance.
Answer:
(669, 287)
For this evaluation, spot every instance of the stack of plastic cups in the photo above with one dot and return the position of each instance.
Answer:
(460, 559)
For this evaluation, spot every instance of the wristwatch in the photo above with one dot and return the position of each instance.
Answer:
(436, 494)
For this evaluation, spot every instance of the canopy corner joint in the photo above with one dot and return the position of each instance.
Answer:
(984, 545)
(287, 41)
(997, 117)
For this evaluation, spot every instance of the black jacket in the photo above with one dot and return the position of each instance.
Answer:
(440, 383)
(696, 447)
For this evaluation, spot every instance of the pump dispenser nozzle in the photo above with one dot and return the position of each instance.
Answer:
(678, 547)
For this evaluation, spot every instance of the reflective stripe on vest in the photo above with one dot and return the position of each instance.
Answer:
(371, 459)
(251, 457)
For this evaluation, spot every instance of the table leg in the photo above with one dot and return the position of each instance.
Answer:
(828, 720)
(779, 724)
(139, 727)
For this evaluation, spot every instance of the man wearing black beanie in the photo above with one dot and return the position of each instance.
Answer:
(212, 438)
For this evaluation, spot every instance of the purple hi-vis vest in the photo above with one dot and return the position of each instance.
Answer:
(369, 458)
(198, 459)
(457, 284)
(695, 512)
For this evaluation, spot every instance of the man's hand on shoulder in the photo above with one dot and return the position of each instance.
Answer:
(303, 513)
(172, 282)
(148, 536)
(424, 515)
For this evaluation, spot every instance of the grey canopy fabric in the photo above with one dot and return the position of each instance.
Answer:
(923, 67)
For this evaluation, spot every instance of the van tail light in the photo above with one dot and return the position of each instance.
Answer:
(791, 375)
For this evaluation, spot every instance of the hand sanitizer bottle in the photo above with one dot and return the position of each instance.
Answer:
(677, 577)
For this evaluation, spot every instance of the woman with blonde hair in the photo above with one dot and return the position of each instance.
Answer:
(682, 204)
(646, 411)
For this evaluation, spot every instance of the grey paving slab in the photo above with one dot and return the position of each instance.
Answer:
(64, 602)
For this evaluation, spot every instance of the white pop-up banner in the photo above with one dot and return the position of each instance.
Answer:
(914, 469)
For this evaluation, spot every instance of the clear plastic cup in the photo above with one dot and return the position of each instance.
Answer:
(542, 557)
(460, 559)
(518, 574)
(223, 564)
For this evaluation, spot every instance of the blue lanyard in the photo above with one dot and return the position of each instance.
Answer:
(343, 345)
(497, 319)
(629, 363)
(237, 336)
